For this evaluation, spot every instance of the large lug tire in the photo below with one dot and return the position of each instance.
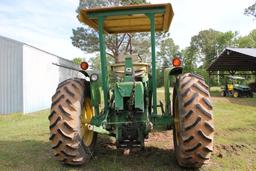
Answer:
(71, 109)
(193, 121)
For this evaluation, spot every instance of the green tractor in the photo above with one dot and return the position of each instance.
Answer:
(130, 109)
(235, 87)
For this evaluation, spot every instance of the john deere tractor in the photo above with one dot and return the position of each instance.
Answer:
(130, 109)
(235, 87)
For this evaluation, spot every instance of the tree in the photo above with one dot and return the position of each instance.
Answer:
(77, 60)
(226, 39)
(248, 41)
(251, 10)
(168, 49)
(204, 45)
(189, 59)
(95, 62)
(209, 43)
(204, 48)
(86, 38)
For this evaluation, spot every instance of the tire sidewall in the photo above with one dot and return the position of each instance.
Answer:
(177, 147)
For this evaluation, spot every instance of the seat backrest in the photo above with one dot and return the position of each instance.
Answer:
(230, 87)
(138, 68)
(135, 58)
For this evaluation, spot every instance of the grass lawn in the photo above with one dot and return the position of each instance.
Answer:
(24, 143)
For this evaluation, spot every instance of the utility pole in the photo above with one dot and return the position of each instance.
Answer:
(217, 53)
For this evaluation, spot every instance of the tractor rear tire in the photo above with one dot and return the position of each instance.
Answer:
(67, 133)
(193, 121)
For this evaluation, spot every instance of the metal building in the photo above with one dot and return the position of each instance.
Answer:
(28, 78)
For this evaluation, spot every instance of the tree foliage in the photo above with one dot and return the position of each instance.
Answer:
(87, 40)
(205, 46)
(248, 41)
(167, 50)
(77, 60)
(189, 59)
(251, 10)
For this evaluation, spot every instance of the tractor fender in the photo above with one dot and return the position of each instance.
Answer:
(95, 95)
(168, 73)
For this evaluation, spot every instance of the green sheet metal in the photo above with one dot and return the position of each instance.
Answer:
(126, 12)
(134, 90)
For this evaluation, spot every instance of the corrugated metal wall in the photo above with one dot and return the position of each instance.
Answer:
(67, 73)
(41, 77)
(28, 79)
(10, 76)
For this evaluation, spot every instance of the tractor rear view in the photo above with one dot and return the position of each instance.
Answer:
(130, 109)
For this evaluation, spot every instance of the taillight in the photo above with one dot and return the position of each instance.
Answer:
(176, 62)
(84, 65)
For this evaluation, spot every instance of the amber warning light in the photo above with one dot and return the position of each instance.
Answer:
(84, 65)
(176, 62)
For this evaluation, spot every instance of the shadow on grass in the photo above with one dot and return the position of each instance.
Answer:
(37, 155)
(243, 101)
(151, 158)
(247, 101)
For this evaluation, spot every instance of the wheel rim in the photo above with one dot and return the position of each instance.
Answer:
(86, 117)
(235, 94)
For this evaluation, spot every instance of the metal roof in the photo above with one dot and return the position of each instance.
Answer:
(23, 43)
(127, 19)
(236, 77)
(235, 59)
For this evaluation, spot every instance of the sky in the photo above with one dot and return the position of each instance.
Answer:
(48, 24)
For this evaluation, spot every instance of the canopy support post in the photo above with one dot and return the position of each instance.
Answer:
(153, 52)
(103, 62)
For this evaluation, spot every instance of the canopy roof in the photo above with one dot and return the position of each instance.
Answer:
(235, 59)
(126, 19)
(236, 77)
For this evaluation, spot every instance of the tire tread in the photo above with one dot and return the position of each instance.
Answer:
(196, 122)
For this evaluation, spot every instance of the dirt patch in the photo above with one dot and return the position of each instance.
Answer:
(222, 150)
(220, 99)
(241, 129)
(162, 140)
(159, 136)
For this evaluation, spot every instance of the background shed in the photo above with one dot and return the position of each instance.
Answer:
(28, 78)
(235, 59)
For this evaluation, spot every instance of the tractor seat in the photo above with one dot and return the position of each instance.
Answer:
(230, 87)
(135, 58)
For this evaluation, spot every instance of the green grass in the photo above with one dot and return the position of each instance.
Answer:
(24, 143)
(235, 122)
